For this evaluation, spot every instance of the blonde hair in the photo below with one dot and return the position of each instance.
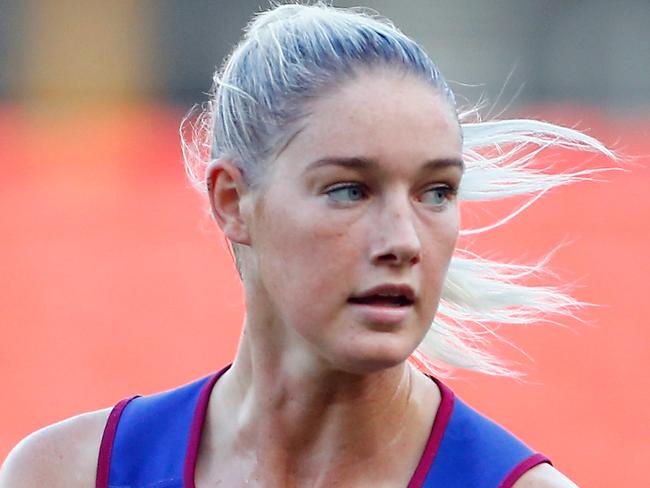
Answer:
(292, 54)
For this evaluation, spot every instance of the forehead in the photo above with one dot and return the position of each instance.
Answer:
(393, 118)
(379, 115)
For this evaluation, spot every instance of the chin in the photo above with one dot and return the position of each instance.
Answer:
(373, 358)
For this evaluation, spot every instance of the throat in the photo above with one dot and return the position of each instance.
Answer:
(359, 414)
(340, 437)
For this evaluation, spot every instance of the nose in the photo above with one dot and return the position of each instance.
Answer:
(395, 240)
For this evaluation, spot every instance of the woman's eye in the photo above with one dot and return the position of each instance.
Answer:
(438, 196)
(350, 192)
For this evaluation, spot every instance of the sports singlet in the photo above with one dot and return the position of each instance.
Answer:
(153, 442)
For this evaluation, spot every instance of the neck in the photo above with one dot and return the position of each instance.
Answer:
(294, 417)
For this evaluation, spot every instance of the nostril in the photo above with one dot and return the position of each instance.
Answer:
(398, 258)
(388, 257)
(397, 247)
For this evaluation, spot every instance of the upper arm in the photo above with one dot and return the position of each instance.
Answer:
(544, 476)
(60, 455)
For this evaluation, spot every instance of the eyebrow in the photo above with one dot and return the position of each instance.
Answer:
(366, 164)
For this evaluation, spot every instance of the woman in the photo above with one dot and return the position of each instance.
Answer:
(336, 160)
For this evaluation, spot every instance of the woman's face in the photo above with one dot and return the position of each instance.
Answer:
(356, 223)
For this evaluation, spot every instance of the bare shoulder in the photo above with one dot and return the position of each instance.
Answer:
(60, 455)
(544, 476)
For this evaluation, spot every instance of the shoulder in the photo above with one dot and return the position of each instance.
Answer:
(60, 455)
(544, 476)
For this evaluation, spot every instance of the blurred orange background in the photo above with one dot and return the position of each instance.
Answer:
(114, 281)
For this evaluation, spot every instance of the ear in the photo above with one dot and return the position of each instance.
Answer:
(226, 191)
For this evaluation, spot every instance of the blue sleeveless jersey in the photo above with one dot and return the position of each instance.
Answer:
(153, 442)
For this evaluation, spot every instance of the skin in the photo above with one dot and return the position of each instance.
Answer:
(323, 395)
(310, 367)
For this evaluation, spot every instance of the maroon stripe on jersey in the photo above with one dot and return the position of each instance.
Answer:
(437, 431)
(518, 471)
(198, 420)
(106, 446)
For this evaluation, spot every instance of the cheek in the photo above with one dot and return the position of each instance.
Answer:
(438, 250)
(306, 259)
(450, 235)
(315, 284)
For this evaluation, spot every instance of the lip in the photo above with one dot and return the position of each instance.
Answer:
(382, 314)
(385, 315)
(389, 289)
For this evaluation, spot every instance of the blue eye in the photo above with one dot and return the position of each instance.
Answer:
(438, 196)
(350, 192)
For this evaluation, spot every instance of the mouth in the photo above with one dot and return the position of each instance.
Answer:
(382, 300)
(386, 306)
(388, 295)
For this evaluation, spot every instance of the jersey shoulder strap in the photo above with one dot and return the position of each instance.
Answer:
(475, 451)
(149, 441)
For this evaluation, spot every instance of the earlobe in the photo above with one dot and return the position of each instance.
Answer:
(226, 191)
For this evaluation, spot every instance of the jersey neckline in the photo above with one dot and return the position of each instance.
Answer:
(438, 428)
